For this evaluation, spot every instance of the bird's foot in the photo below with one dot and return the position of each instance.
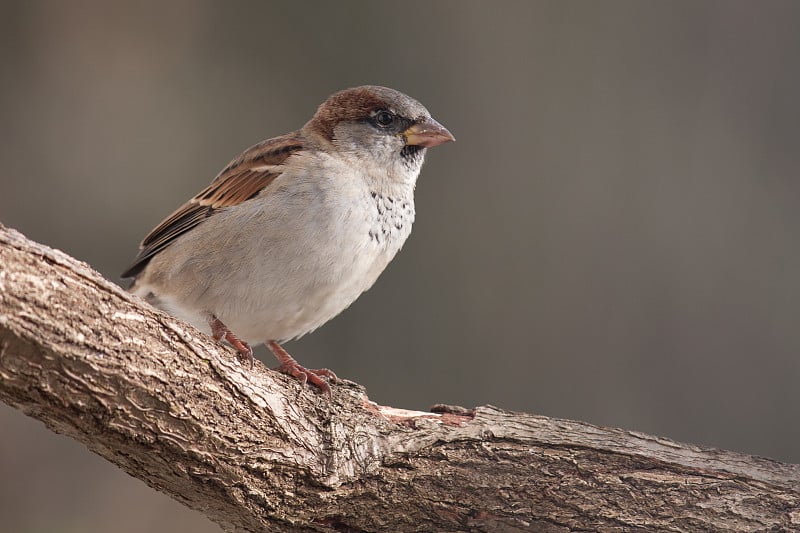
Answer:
(288, 365)
(221, 331)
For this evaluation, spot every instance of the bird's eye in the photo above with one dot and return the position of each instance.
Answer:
(384, 118)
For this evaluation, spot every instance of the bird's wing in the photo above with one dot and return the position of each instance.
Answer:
(241, 180)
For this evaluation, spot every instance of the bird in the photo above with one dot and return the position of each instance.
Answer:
(295, 228)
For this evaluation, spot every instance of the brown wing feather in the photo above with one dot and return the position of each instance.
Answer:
(242, 179)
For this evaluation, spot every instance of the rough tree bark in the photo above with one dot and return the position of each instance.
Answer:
(256, 451)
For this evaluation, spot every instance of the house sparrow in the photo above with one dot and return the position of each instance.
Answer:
(295, 228)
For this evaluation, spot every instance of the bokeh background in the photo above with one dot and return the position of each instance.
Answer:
(613, 238)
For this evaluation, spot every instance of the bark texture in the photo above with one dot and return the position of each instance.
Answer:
(256, 451)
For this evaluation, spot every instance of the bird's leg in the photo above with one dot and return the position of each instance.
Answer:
(220, 331)
(288, 365)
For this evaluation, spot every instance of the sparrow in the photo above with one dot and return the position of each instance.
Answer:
(295, 228)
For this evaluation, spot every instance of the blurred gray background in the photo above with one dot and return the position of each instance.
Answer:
(613, 238)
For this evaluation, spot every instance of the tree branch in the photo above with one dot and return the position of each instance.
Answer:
(254, 450)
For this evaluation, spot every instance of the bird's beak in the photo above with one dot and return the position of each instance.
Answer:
(427, 133)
